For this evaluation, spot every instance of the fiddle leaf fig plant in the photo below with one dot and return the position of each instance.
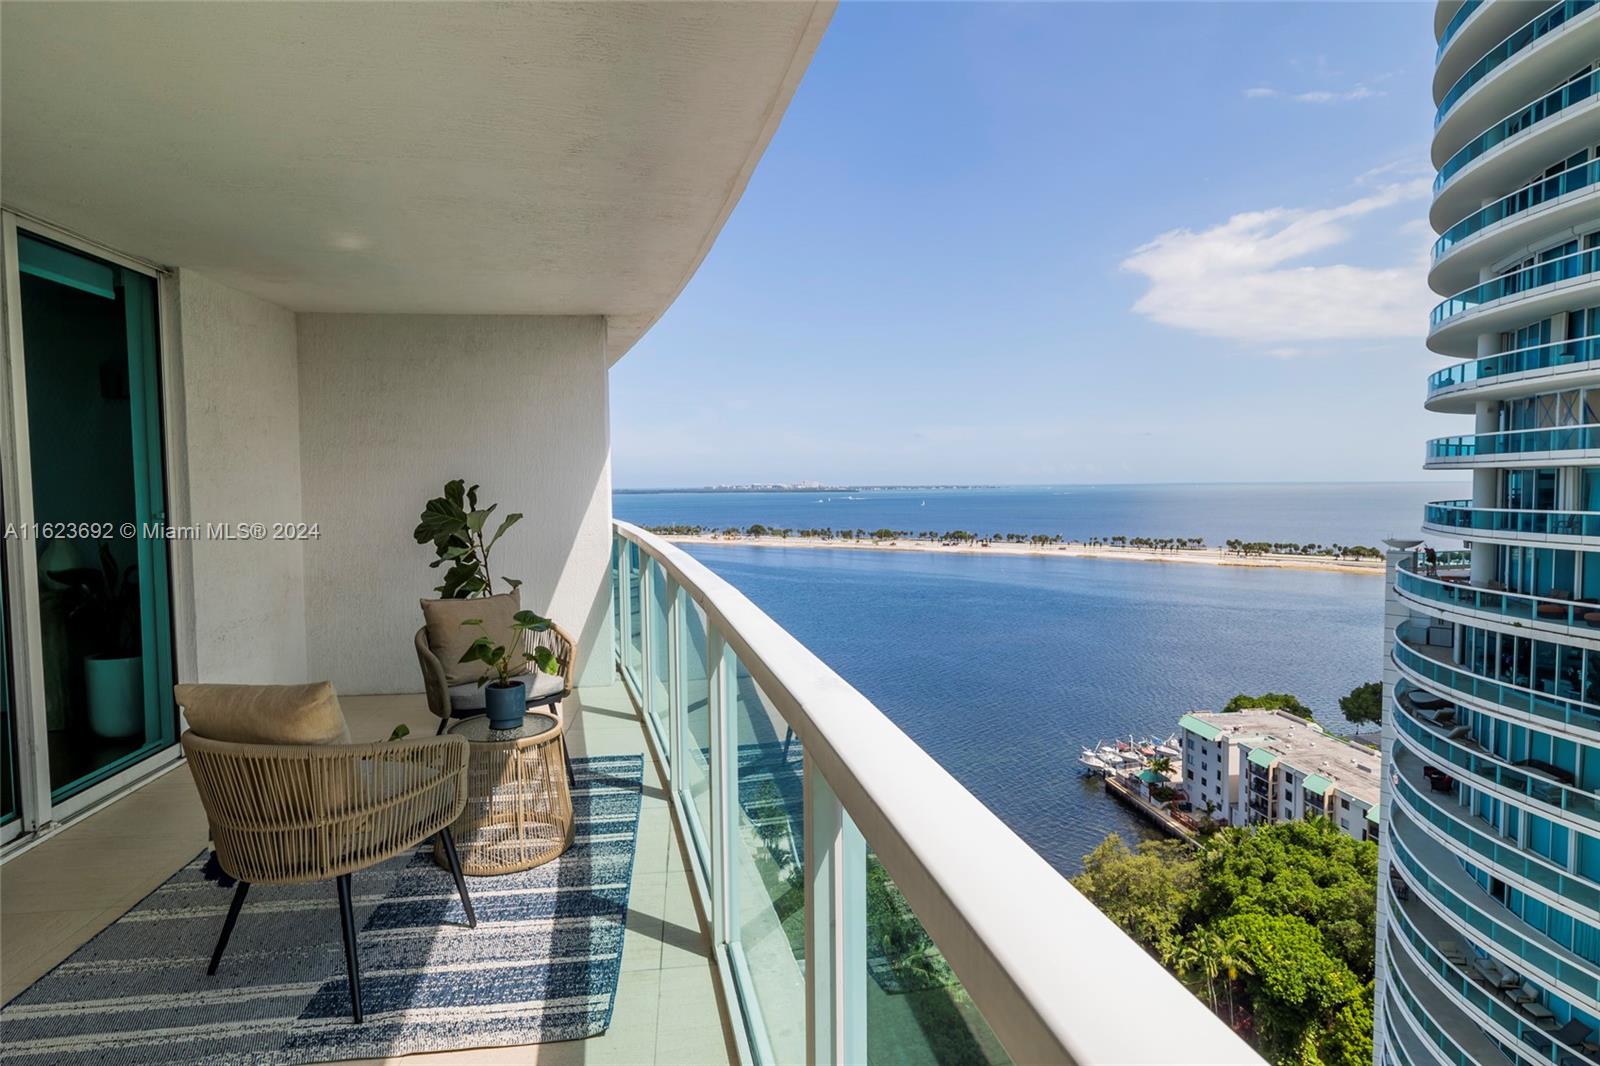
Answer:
(505, 663)
(454, 524)
(105, 601)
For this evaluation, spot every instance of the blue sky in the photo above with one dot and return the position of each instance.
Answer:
(1075, 242)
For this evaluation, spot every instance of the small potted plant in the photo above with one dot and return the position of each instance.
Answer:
(104, 602)
(505, 699)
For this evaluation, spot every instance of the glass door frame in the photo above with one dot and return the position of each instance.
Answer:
(23, 624)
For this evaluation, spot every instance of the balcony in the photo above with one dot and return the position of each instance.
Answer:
(764, 746)
(1452, 596)
(1432, 668)
(1438, 735)
(1563, 364)
(669, 1007)
(1512, 70)
(1550, 128)
(1522, 293)
(1436, 875)
(1558, 446)
(1461, 518)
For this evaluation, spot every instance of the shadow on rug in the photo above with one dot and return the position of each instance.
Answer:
(541, 966)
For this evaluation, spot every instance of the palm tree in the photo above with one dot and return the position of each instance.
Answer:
(1232, 962)
(1162, 765)
(1195, 955)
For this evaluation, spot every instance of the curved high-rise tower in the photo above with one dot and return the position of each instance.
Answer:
(1489, 891)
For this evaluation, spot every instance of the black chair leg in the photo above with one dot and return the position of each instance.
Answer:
(352, 963)
(227, 926)
(444, 723)
(454, 860)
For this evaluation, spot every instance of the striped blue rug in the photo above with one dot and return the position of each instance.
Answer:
(542, 965)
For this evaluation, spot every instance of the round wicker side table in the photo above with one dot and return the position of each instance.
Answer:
(519, 809)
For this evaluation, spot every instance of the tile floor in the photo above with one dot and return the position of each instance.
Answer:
(58, 894)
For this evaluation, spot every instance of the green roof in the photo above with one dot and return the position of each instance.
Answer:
(1263, 758)
(1194, 725)
(1318, 785)
(1372, 814)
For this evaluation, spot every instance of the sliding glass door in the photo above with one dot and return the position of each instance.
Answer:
(88, 458)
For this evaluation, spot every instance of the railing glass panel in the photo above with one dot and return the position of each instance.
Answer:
(1463, 13)
(1539, 357)
(1544, 23)
(1567, 712)
(694, 777)
(1573, 92)
(1546, 962)
(1529, 196)
(917, 1010)
(1515, 442)
(1461, 514)
(1527, 279)
(658, 655)
(766, 876)
(633, 646)
(1485, 768)
(1459, 594)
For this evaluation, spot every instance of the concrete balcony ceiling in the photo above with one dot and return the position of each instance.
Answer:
(523, 158)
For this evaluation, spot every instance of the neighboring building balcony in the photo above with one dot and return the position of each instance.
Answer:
(1539, 134)
(1550, 446)
(1544, 208)
(1440, 734)
(1429, 1011)
(1523, 294)
(814, 824)
(1518, 1013)
(1420, 787)
(1450, 595)
(1552, 33)
(1562, 364)
(1435, 873)
(1431, 668)
(1460, 518)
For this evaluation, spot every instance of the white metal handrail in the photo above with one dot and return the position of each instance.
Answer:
(1053, 977)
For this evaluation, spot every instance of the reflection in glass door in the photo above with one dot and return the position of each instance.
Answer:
(10, 779)
(92, 427)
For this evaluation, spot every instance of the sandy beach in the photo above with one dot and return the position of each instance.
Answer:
(1196, 556)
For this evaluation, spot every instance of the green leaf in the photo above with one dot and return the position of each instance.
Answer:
(400, 731)
(527, 621)
(472, 498)
(546, 660)
(476, 519)
(453, 491)
(514, 582)
(505, 523)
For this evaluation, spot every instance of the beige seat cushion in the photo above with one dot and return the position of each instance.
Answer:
(264, 714)
(468, 700)
(450, 640)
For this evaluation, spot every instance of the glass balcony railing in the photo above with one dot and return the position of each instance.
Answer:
(1508, 859)
(1461, 987)
(1528, 279)
(1546, 22)
(1555, 968)
(1514, 442)
(1460, 682)
(1463, 13)
(790, 785)
(1552, 103)
(1573, 179)
(1426, 734)
(1575, 352)
(1460, 514)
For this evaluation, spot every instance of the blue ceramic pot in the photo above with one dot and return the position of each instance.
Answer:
(506, 704)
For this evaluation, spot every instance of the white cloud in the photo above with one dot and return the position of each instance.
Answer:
(1237, 280)
(1315, 96)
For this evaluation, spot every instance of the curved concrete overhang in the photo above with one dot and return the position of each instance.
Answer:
(523, 158)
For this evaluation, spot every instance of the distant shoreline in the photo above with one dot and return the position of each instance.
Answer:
(1200, 556)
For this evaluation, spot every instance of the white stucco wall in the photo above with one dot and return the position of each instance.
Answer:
(393, 406)
(241, 423)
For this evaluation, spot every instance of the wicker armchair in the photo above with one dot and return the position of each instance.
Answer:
(440, 692)
(285, 814)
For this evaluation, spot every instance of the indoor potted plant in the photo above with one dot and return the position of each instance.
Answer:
(104, 604)
(504, 699)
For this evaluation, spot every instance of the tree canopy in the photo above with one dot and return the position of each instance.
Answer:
(1274, 926)
(1364, 704)
(1269, 701)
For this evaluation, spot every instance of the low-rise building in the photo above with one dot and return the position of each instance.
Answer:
(1262, 766)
